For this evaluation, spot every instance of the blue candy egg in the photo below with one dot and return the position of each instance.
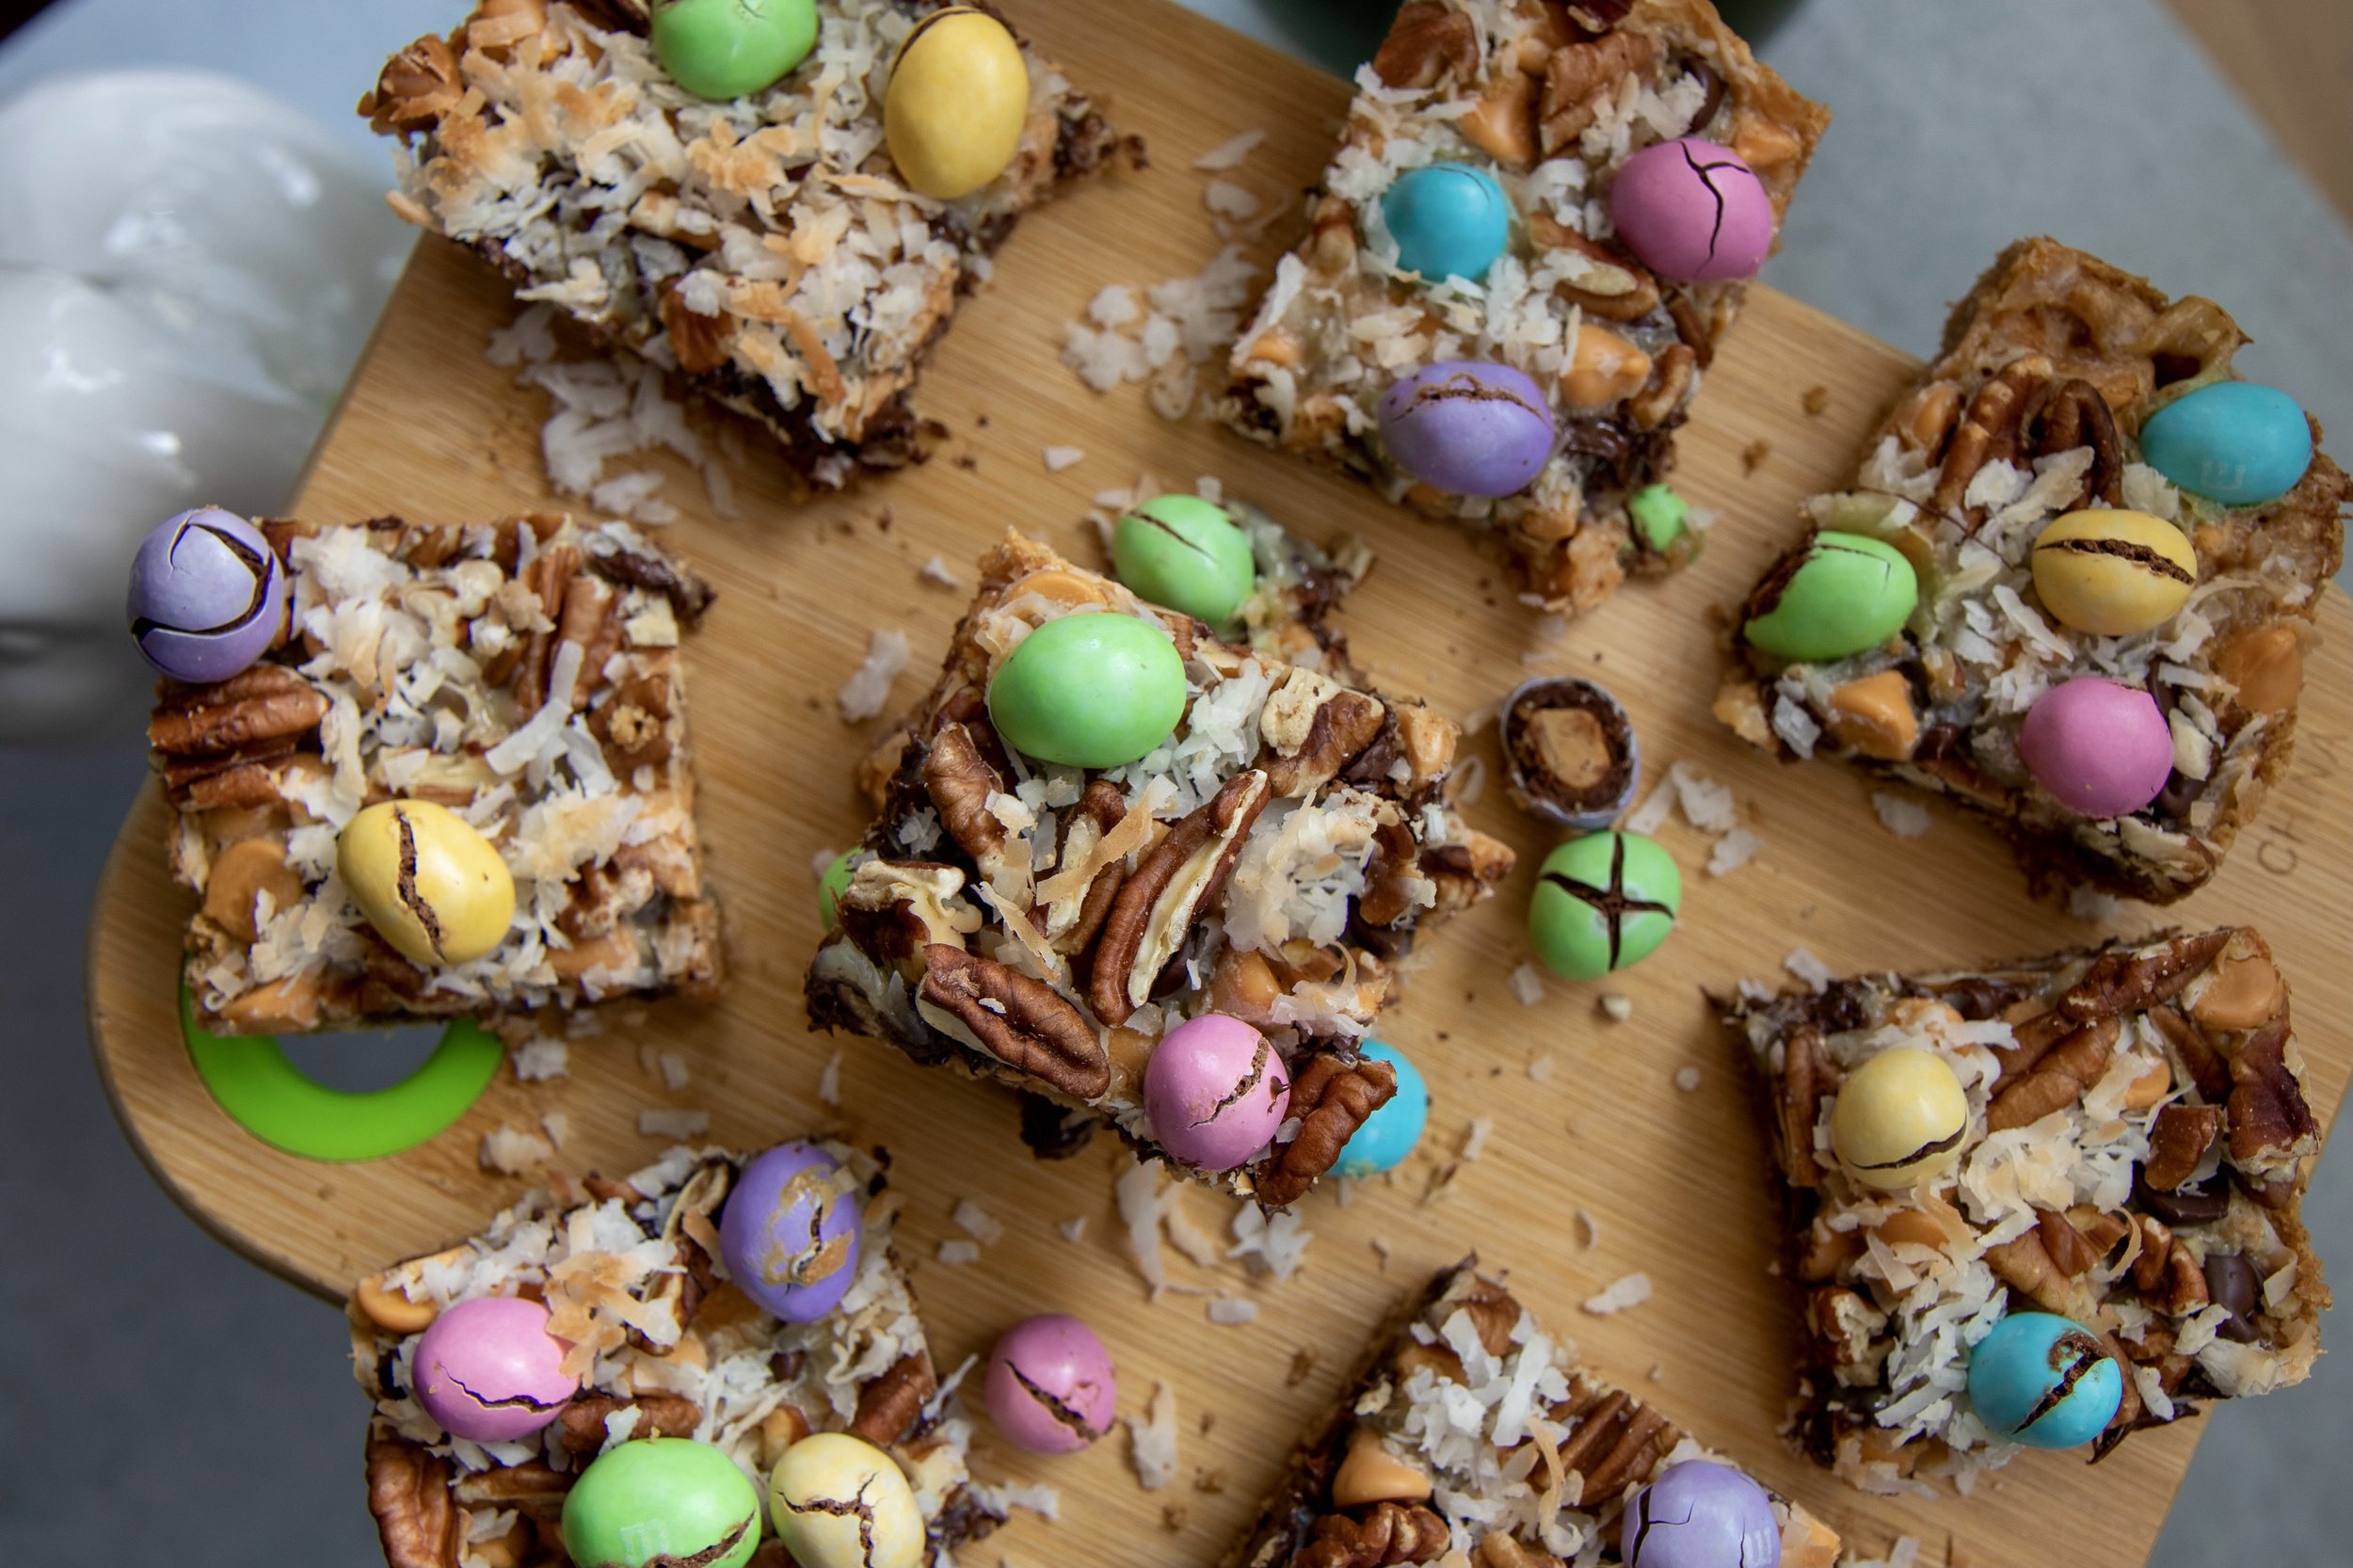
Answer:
(2045, 1381)
(2232, 442)
(1449, 220)
(1389, 1133)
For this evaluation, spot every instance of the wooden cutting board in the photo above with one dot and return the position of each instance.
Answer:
(1674, 1181)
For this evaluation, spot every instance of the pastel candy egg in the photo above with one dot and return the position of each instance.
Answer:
(1836, 595)
(1603, 902)
(2113, 573)
(1701, 1514)
(1693, 211)
(1097, 689)
(207, 597)
(2040, 1379)
(1390, 1134)
(1467, 427)
(721, 49)
(2232, 442)
(489, 1371)
(1900, 1119)
(1185, 553)
(427, 880)
(1214, 1092)
(1051, 1389)
(1449, 220)
(958, 98)
(1660, 516)
(840, 1502)
(667, 1497)
(791, 1231)
(834, 883)
(2098, 748)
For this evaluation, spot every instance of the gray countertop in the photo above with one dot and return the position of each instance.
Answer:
(186, 1407)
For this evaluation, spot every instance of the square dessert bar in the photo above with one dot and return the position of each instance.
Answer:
(2131, 1161)
(661, 1346)
(765, 246)
(524, 674)
(2101, 658)
(1046, 925)
(1472, 1436)
(1547, 102)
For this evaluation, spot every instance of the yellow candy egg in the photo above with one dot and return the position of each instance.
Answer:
(2113, 573)
(840, 1502)
(1900, 1119)
(430, 884)
(958, 98)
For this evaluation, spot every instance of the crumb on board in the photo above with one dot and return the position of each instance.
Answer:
(1540, 1067)
(868, 689)
(2089, 903)
(1588, 1231)
(557, 1125)
(1303, 1367)
(978, 1223)
(1753, 455)
(1617, 1007)
(1817, 399)
(1060, 457)
(1688, 1079)
(1074, 1229)
(1630, 1290)
(1527, 984)
(936, 571)
(1382, 1249)
(1232, 1311)
(673, 1067)
(956, 1252)
(1475, 1138)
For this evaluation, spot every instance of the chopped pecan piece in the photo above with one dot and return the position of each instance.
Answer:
(2069, 1250)
(1385, 1535)
(2271, 1126)
(701, 341)
(2204, 1065)
(2061, 1077)
(960, 780)
(1312, 748)
(409, 1493)
(1798, 1096)
(1579, 77)
(1426, 43)
(1156, 908)
(581, 1420)
(889, 1405)
(266, 703)
(1022, 1022)
(2079, 416)
(2178, 1140)
(2025, 1265)
(1990, 429)
(1331, 1098)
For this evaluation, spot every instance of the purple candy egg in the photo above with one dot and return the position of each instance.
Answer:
(1051, 1385)
(1699, 1514)
(789, 1232)
(1693, 211)
(2098, 748)
(1215, 1091)
(207, 596)
(488, 1370)
(1467, 427)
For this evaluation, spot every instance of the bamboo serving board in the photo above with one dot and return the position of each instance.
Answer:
(1675, 1182)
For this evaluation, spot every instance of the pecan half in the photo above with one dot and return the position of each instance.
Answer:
(409, 1493)
(1670, 384)
(2271, 1126)
(2114, 983)
(1990, 429)
(1022, 1022)
(2079, 416)
(1331, 1098)
(2204, 1065)
(2069, 1250)
(2063, 1074)
(419, 83)
(582, 1421)
(2025, 1265)
(1073, 922)
(1614, 1440)
(889, 1405)
(960, 780)
(1798, 1096)
(1387, 1534)
(2178, 1140)
(1156, 908)
(264, 704)
(533, 1488)
(1426, 43)
(1579, 77)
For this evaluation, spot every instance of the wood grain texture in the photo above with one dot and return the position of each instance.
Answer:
(2290, 60)
(1675, 1182)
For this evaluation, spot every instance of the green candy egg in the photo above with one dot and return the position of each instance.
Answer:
(662, 1496)
(1660, 516)
(1603, 902)
(1840, 594)
(1182, 552)
(720, 49)
(834, 883)
(1094, 690)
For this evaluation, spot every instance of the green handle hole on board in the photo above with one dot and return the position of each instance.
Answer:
(265, 1093)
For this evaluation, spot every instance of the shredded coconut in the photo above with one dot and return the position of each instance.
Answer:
(1527, 984)
(1688, 1079)
(1630, 1291)
(1231, 153)
(676, 1125)
(539, 1060)
(1901, 815)
(1061, 457)
(1617, 1007)
(829, 1080)
(978, 1223)
(512, 1151)
(868, 687)
(1232, 1311)
(1152, 1440)
(956, 1253)
(1807, 967)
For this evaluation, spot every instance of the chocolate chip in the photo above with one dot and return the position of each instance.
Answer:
(1052, 1130)
(2201, 1205)
(1978, 998)
(2231, 1283)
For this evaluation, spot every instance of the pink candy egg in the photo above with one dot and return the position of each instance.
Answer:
(489, 1370)
(1051, 1385)
(1693, 211)
(2099, 748)
(1215, 1091)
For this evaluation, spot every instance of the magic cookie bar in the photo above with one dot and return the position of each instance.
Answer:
(2130, 1159)
(1543, 104)
(764, 247)
(525, 675)
(1472, 1436)
(662, 1344)
(2100, 659)
(1046, 925)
